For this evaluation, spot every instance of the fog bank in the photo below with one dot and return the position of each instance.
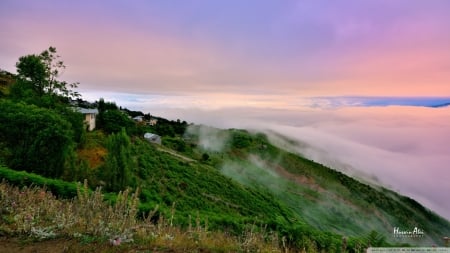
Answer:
(403, 148)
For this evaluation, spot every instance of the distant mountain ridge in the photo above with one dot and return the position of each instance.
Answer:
(369, 101)
(441, 105)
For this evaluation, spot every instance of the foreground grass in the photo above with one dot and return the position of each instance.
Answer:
(34, 215)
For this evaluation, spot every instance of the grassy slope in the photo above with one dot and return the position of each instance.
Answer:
(274, 186)
(250, 181)
(174, 181)
(33, 220)
(195, 187)
(325, 198)
(189, 193)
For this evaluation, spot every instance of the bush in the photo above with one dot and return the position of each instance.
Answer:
(21, 178)
(38, 140)
(241, 139)
(112, 121)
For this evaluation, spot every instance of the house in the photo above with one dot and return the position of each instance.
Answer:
(89, 117)
(138, 118)
(153, 138)
(152, 122)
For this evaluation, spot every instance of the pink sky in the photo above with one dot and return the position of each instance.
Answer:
(312, 48)
(222, 62)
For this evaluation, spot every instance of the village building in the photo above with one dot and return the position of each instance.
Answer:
(153, 138)
(138, 118)
(90, 116)
(152, 122)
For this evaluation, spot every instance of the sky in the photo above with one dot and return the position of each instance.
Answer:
(356, 80)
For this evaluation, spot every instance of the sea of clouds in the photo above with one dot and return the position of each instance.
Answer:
(404, 148)
(391, 142)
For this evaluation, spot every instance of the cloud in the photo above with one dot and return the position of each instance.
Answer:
(403, 148)
(209, 138)
(303, 48)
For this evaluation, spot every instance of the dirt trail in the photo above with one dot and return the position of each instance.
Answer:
(171, 152)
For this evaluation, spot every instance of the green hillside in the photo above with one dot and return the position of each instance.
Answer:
(324, 198)
(232, 181)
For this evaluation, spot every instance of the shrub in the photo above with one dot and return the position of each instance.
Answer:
(39, 140)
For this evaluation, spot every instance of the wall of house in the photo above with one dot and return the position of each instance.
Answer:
(90, 121)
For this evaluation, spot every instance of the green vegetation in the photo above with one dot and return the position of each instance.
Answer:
(111, 120)
(235, 184)
(37, 80)
(58, 187)
(40, 72)
(32, 137)
(116, 171)
(6, 80)
(35, 212)
(326, 199)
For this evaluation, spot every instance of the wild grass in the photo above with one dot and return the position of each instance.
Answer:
(35, 213)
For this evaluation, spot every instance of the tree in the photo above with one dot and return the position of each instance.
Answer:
(38, 76)
(112, 121)
(116, 171)
(34, 139)
(375, 239)
(241, 139)
(205, 157)
(105, 106)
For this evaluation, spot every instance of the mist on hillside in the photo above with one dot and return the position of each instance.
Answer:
(402, 148)
(209, 138)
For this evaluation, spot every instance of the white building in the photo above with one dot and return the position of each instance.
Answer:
(152, 122)
(138, 118)
(153, 138)
(89, 117)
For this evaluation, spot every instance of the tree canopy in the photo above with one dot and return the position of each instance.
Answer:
(116, 171)
(39, 131)
(37, 78)
(34, 139)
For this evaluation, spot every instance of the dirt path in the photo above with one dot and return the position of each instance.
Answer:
(187, 159)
